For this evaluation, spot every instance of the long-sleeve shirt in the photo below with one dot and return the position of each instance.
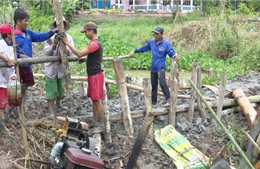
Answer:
(159, 52)
(24, 43)
(54, 70)
(6, 50)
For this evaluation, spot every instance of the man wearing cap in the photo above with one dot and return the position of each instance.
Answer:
(6, 54)
(160, 48)
(95, 74)
(54, 72)
(24, 42)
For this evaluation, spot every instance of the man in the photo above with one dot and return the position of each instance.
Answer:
(54, 72)
(24, 46)
(95, 74)
(160, 48)
(6, 54)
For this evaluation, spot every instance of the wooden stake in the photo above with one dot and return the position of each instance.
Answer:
(106, 116)
(174, 86)
(223, 81)
(121, 85)
(63, 53)
(21, 108)
(139, 141)
(193, 92)
(147, 98)
(199, 86)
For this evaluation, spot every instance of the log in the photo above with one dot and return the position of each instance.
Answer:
(113, 82)
(139, 141)
(199, 101)
(63, 55)
(245, 105)
(121, 85)
(193, 92)
(148, 100)
(174, 86)
(184, 108)
(223, 81)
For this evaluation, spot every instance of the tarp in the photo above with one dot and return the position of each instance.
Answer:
(174, 144)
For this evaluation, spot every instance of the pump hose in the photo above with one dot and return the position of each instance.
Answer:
(18, 166)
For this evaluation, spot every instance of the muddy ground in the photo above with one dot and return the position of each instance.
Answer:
(204, 134)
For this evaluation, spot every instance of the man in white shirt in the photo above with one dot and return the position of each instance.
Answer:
(6, 54)
(54, 72)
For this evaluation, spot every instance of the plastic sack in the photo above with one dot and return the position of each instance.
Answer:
(14, 91)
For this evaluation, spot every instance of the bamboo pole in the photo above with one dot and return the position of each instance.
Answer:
(223, 127)
(147, 99)
(174, 86)
(43, 59)
(63, 55)
(21, 107)
(120, 80)
(223, 81)
(193, 92)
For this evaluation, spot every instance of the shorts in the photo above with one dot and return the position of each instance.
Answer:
(54, 88)
(3, 98)
(26, 76)
(96, 86)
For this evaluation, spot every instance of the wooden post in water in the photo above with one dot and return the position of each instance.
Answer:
(199, 101)
(148, 101)
(221, 91)
(174, 87)
(63, 54)
(193, 92)
(21, 108)
(122, 90)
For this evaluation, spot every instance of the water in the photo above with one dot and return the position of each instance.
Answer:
(137, 76)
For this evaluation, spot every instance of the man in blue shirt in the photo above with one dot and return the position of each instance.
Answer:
(24, 46)
(160, 48)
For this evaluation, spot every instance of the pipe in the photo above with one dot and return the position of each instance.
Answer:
(54, 153)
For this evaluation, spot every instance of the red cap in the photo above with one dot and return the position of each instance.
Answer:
(6, 29)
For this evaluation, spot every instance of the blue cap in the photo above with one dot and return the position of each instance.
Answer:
(158, 29)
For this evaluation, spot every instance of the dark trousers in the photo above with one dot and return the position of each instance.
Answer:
(155, 76)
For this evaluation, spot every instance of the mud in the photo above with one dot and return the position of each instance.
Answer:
(203, 134)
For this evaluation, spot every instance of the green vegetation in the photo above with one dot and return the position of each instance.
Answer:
(215, 39)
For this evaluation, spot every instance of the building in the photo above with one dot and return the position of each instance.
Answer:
(184, 5)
